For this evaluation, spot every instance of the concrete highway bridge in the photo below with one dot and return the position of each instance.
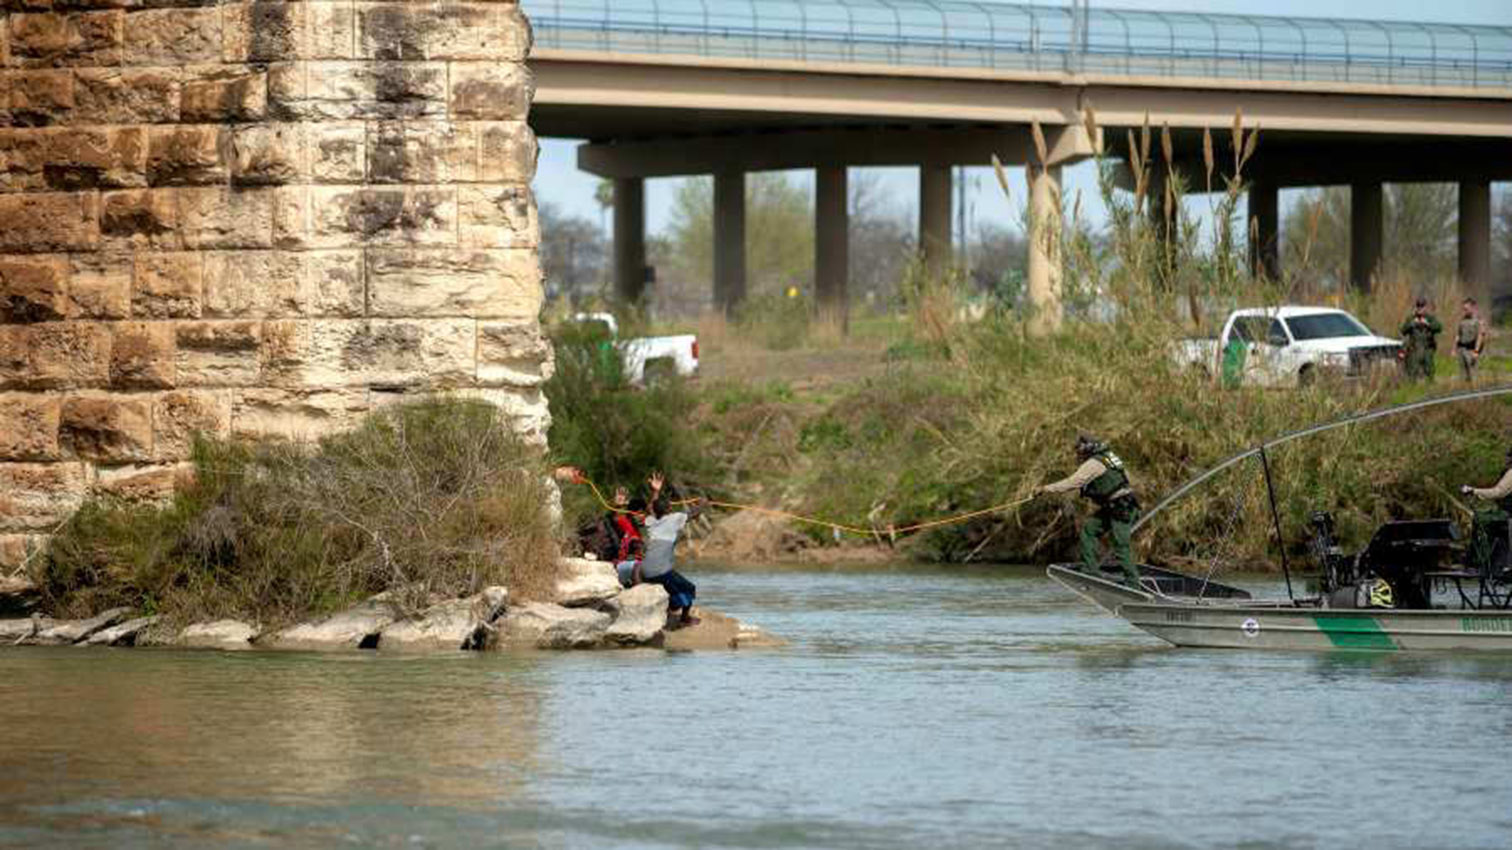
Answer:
(725, 87)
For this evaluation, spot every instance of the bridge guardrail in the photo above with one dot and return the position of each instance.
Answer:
(953, 33)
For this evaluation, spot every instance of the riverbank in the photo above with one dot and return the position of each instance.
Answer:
(893, 426)
(586, 609)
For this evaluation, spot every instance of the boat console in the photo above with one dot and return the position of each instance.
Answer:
(1412, 558)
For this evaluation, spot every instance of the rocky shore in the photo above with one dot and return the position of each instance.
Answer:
(589, 610)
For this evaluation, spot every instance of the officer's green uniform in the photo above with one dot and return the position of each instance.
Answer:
(1117, 511)
(1421, 342)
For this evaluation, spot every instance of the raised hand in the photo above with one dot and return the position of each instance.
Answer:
(656, 481)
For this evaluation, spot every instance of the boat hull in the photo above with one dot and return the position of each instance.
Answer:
(1237, 623)
(1364, 630)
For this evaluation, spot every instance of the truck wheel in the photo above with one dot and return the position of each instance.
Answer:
(660, 371)
(1307, 376)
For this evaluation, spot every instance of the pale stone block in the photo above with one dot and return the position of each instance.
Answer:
(401, 31)
(215, 217)
(142, 482)
(291, 216)
(334, 284)
(263, 31)
(225, 95)
(187, 154)
(252, 284)
(143, 355)
(332, 33)
(525, 408)
(497, 217)
(39, 496)
(139, 218)
(173, 37)
(178, 416)
(125, 95)
(343, 216)
(106, 428)
(219, 354)
(455, 282)
(434, 353)
(337, 152)
(168, 286)
(29, 426)
(44, 158)
(75, 40)
(100, 286)
(507, 152)
(296, 414)
(68, 354)
(421, 152)
(40, 97)
(34, 288)
(513, 354)
(288, 92)
(375, 90)
(15, 355)
(48, 222)
(268, 154)
(490, 91)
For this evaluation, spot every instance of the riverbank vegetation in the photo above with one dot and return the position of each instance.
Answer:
(949, 403)
(422, 499)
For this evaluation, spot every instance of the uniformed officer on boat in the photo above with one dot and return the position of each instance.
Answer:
(1102, 480)
(1490, 524)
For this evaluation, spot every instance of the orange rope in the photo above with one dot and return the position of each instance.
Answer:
(950, 520)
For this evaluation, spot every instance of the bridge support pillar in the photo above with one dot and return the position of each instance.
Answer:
(832, 243)
(1045, 227)
(935, 190)
(629, 238)
(729, 239)
(1264, 247)
(1475, 236)
(1367, 222)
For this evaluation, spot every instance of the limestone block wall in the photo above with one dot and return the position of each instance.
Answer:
(252, 218)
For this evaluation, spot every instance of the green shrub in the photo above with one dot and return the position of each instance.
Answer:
(776, 321)
(422, 499)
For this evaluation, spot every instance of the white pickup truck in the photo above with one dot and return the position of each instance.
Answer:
(676, 354)
(1291, 346)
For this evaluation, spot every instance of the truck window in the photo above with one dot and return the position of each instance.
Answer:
(1251, 328)
(1326, 326)
(1276, 333)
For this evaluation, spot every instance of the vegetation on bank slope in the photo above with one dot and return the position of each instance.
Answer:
(958, 414)
(422, 499)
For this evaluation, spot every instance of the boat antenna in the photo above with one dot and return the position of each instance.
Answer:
(1270, 490)
(1380, 413)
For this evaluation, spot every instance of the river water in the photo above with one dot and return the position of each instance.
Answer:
(916, 707)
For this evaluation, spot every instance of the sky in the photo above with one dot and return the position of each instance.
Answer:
(560, 183)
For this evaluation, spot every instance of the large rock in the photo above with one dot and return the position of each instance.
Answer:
(355, 628)
(585, 582)
(221, 634)
(20, 631)
(545, 625)
(73, 631)
(124, 634)
(18, 596)
(448, 626)
(718, 631)
(640, 615)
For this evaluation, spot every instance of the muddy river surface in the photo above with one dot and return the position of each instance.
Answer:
(915, 708)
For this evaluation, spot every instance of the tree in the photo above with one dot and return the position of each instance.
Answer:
(573, 253)
(1419, 239)
(1501, 244)
(779, 233)
(882, 242)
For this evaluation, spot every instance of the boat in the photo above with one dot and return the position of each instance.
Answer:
(1409, 589)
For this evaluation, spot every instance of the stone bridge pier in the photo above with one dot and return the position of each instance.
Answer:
(252, 218)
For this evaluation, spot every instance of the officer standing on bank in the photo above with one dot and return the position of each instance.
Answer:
(1420, 335)
(1102, 480)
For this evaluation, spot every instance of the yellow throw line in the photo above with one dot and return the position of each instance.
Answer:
(919, 526)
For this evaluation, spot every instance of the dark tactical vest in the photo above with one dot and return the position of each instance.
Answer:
(1102, 488)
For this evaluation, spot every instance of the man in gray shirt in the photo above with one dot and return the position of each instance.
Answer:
(662, 531)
